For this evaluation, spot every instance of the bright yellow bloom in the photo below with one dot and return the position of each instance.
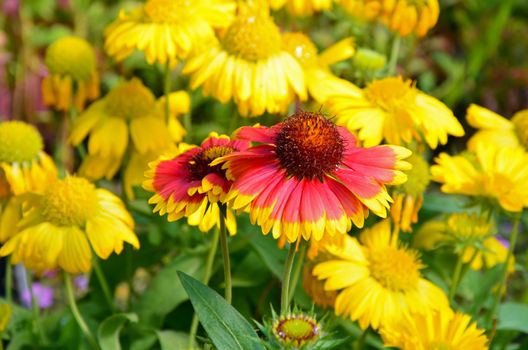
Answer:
(62, 226)
(302, 7)
(128, 114)
(493, 171)
(249, 65)
(24, 167)
(401, 16)
(408, 197)
(494, 129)
(394, 110)
(320, 81)
(73, 75)
(379, 280)
(6, 310)
(167, 29)
(441, 330)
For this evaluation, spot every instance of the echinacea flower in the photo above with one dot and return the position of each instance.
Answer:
(167, 29)
(187, 184)
(401, 16)
(73, 77)
(408, 197)
(24, 167)
(394, 110)
(302, 7)
(127, 115)
(378, 279)
(319, 79)
(493, 128)
(307, 178)
(492, 172)
(61, 227)
(435, 331)
(249, 65)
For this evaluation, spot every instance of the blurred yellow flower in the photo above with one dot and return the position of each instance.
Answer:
(493, 128)
(378, 280)
(6, 310)
(24, 167)
(492, 171)
(401, 16)
(302, 7)
(435, 331)
(249, 65)
(408, 197)
(61, 227)
(167, 29)
(394, 110)
(73, 77)
(128, 113)
(320, 81)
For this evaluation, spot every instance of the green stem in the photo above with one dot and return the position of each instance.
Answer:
(456, 276)
(103, 283)
(502, 286)
(76, 313)
(187, 124)
(297, 269)
(207, 276)
(73, 115)
(286, 279)
(166, 90)
(395, 51)
(9, 281)
(360, 344)
(225, 254)
(35, 308)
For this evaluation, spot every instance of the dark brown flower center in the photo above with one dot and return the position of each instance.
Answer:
(309, 145)
(199, 164)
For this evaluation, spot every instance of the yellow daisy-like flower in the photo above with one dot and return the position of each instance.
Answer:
(320, 81)
(62, 226)
(302, 7)
(378, 280)
(394, 110)
(167, 29)
(24, 167)
(493, 172)
(440, 330)
(495, 129)
(401, 16)
(128, 114)
(408, 197)
(73, 76)
(315, 287)
(249, 65)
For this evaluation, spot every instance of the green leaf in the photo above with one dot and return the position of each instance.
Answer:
(226, 327)
(171, 340)
(108, 332)
(266, 249)
(513, 316)
(165, 291)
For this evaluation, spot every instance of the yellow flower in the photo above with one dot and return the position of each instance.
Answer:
(401, 16)
(315, 287)
(24, 167)
(73, 76)
(493, 172)
(394, 110)
(128, 114)
(179, 104)
(378, 280)
(302, 7)
(167, 29)
(408, 197)
(320, 81)
(494, 129)
(435, 331)
(249, 65)
(62, 226)
(6, 310)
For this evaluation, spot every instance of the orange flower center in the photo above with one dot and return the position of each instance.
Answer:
(199, 164)
(396, 269)
(309, 145)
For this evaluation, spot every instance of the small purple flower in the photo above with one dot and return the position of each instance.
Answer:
(43, 295)
(503, 241)
(81, 283)
(11, 7)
